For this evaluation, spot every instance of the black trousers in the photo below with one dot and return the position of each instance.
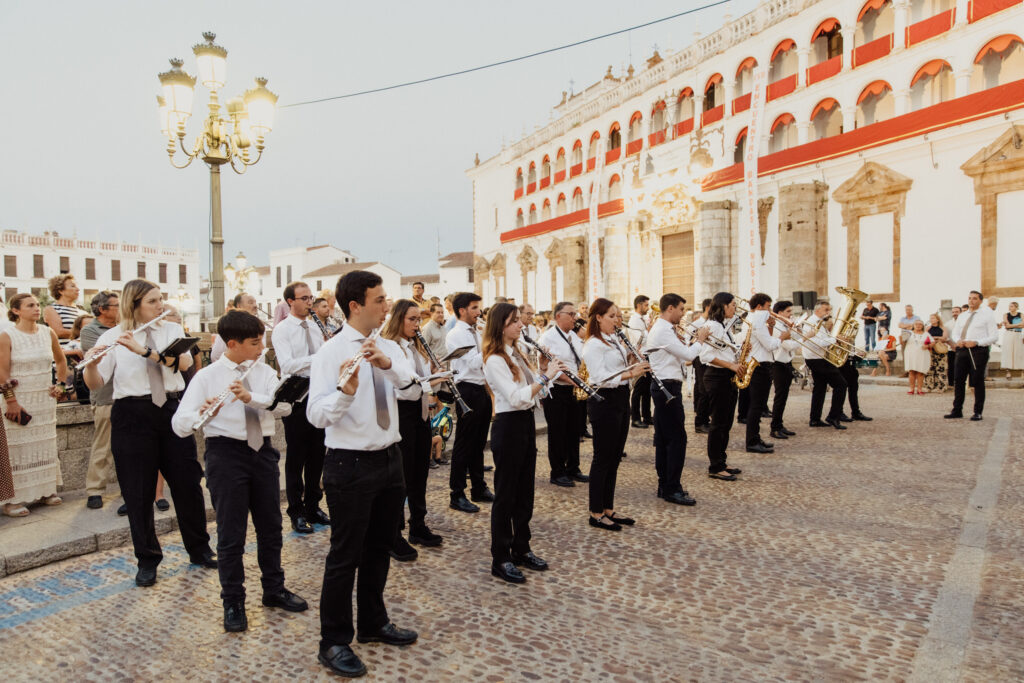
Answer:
(742, 403)
(951, 367)
(852, 378)
(364, 492)
(701, 407)
(514, 445)
(303, 463)
(241, 481)
(415, 447)
(470, 439)
(964, 370)
(669, 437)
(581, 408)
(722, 401)
(561, 412)
(143, 444)
(610, 421)
(640, 401)
(826, 375)
(782, 380)
(757, 390)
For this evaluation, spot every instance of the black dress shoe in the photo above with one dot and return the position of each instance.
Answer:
(459, 502)
(734, 470)
(402, 551)
(318, 516)
(767, 444)
(580, 477)
(741, 420)
(680, 498)
(976, 417)
(562, 481)
(702, 429)
(123, 509)
(861, 417)
(300, 525)
(425, 537)
(835, 423)
(776, 434)
(506, 571)
(207, 560)
(341, 660)
(94, 502)
(787, 432)
(586, 434)
(817, 423)
(530, 561)
(759, 448)
(619, 519)
(162, 505)
(724, 476)
(604, 522)
(484, 496)
(766, 413)
(389, 635)
(954, 415)
(637, 424)
(286, 600)
(235, 620)
(146, 576)
(843, 417)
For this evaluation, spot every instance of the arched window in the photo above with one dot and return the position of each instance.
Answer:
(826, 120)
(577, 153)
(933, 83)
(783, 63)
(826, 41)
(545, 169)
(783, 133)
(998, 63)
(614, 136)
(577, 199)
(684, 105)
(545, 210)
(636, 124)
(876, 20)
(592, 147)
(745, 76)
(560, 160)
(714, 92)
(658, 121)
(519, 178)
(876, 103)
(533, 214)
(741, 147)
(560, 205)
(531, 175)
(519, 218)
(615, 187)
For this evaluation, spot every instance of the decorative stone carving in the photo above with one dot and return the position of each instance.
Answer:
(481, 271)
(764, 209)
(671, 207)
(527, 261)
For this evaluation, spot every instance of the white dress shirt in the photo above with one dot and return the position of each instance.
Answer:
(558, 344)
(230, 420)
(290, 347)
(667, 363)
(819, 342)
(469, 368)
(421, 367)
(351, 421)
(709, 351)
(983, 328)
(763, 344)
(604, 360)
(786, 348)
(129, 370)
(509, 394)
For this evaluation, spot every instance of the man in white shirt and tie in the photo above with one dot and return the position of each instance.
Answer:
(824, 373)
(701, 407)
(561, 409)
(973, 335)
(363, 476)
(640, 399)
(762, 349)
(296, 339)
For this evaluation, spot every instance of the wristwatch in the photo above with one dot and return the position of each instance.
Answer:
(148, 353)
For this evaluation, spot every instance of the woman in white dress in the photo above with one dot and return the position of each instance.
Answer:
(27, 351)
(917, 357)
(1012, 347)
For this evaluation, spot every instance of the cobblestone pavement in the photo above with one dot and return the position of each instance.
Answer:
(844, 556)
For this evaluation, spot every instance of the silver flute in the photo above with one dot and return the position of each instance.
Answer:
(102, 352)
(357, 359)
(222, 397)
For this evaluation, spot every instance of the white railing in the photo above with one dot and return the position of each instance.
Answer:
(10, 237)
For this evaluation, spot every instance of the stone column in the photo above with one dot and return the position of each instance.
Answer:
(849, 117)
(961, 14)
(801, 131)
(963, 77)
(901, 9)
(729, 90)
(803, 238)
(902, 102)
(803, 55)
(615, 267)
(714, 250)
(574, 267)
(847, 32)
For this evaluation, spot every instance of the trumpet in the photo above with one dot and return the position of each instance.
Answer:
(717, 342)
(222, 397)
(590, 391)
(266, 317)
(462, 406)
(353, 367)
(803, 333)
(644, 358)
(102, 352)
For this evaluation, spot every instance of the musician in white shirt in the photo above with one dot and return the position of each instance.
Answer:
(640, 399)
(296, 340)
(825, 374)
(241, 464)
(363, 478)
(782, 371)
(610, 372)
(561, 409)
(241, 302)
(701, 407)
(147, 386)
(471, 429)
(763, 346)
(718, 354)
(973, 335)
(668, 357)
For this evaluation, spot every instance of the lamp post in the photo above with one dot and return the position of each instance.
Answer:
(237, 275)
(223, 140)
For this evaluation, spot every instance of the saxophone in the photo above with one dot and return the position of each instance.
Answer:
(746, 362)
(578, 393)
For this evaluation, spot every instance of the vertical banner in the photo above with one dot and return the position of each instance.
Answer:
(749, 239)
(595, 278)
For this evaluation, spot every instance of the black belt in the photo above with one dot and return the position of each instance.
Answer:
(383, 451)
(234, 442)
(171, 396)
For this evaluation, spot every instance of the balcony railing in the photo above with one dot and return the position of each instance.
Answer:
(656, 138)
(612, 155)
(634, 147)
(823, 70)
(979, 9)
(781, 87)
(684, 127)
(929, 28)
(741, 103)
(869, 52)
(713, 115)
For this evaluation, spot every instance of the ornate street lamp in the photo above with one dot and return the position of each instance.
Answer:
(223, 140)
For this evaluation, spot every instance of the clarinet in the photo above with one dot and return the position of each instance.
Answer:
(590, 391)
(459, 403)
(323, 328)
(222, 397)
(632, 349)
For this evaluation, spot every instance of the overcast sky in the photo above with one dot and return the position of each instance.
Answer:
(380, 175)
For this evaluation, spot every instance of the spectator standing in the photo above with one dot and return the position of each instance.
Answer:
(62, 313)
(884, 317)
(434, 331)
(1013, 340)
(870, 317)
(916, 356)
(936, 379)
(101, 460)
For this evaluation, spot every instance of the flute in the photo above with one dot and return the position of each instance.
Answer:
(102, 352)
(353, 366)
(590, 391)
(222, 397)
(460, 404)
(643, 357)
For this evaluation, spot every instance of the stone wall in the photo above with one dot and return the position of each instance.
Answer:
(714, 271)
(803, 238)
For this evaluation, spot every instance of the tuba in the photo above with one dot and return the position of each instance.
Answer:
(845, 327)
(748, 363)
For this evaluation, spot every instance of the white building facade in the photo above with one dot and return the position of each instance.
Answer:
(889, 160)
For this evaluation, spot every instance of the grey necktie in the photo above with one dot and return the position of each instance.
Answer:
(380, 396)
(155, 374)
(253, 430)
(963, 332)
(524, 365)
(420, 372)
(309, 341)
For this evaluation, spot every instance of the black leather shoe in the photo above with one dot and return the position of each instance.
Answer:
(530, 561)
(639, 425)
(861, 417)
(146, 576)
(767, 444)
(318, 517)
(976, 417)
(484, 496)
(459, 502)
(680, 498)
(162, 505)
(286, 600)
(724, 476)
(300, 525)
(506, 571)
(341, 660)
(94, 502)
(734, 470)
(425, 537)
(563, 481)
(701, 429)
(759, 448)
(604, 522)
(235, 620)
(835, 423)
(776, 434)
(619, 519)
(787, 432)
(817, 423)
(389, 635)
(586, 434)
(843, 417)
(207, 560)
(402, 551)
(954, 415)
(741, 420)
(766, 413)
(580, 477)
(123, 509)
